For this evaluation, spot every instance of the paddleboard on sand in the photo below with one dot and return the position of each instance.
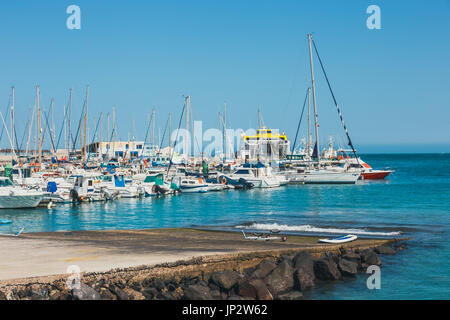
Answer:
(342, 239)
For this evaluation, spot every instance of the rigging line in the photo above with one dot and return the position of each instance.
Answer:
(7, 111)
(146, 133)
(62, 126)
(176, 138)
(164, 134)
(48, 126)
(74, 141)
(300, 121)
(335, 102)
(227, 139)
(93, 138)
(25, 131)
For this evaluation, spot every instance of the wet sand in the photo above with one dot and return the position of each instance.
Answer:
(47, 254)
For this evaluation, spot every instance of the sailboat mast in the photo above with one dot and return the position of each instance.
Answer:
(224, 131)
(188, 98)
(153, 127)
(12, 121)
(53, 121)
(39, 128)
(85, 121)
(170, 130)
(69, 118)
(316, 124)
(308, 141)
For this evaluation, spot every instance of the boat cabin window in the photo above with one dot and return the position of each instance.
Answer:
(242, 172)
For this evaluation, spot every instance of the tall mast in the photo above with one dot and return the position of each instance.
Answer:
(153, 127)
(316, 124)
(12, 121)
(170, 130)
(65, 125)
(69, 118)
(53, 121)
(39, 128)
(308, 141)
(188, 101)
(224, 130)
(85, 120)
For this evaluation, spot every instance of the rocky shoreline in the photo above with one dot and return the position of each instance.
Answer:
(251, 276)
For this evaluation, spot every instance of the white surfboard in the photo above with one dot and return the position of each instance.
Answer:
(342, 239)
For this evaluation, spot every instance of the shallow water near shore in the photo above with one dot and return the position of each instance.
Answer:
(413, 202)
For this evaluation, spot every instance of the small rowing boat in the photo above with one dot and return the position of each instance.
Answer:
(342, 239)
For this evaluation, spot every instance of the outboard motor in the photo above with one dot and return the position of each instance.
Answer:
(246, 184)
(158, 190)
(74, 196)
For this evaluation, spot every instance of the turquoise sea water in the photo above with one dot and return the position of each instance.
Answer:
(413, 202)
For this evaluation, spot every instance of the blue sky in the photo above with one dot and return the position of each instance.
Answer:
(392, 84)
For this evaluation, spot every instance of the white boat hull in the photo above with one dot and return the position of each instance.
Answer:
(325, 177)
(20, 201)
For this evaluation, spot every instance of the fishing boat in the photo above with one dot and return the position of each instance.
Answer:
(13, 196)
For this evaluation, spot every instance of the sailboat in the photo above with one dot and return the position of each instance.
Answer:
(315, 174)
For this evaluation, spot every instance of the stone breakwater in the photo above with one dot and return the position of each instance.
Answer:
(259, 275)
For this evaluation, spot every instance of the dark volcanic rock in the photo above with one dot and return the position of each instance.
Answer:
(286, 258)
(254, 289)
(347, 267)
(304, 275)
(303, 280)
(2, 295)
(384, 250)
(150, 293)
(352, 256)
(38, 292)
(54, 295)
(369, 257)
(291, 295)
(225, 279)
(85, 293)
(263, 269)
(326, 269)
(121, 295)
(106, 294)
(197, 292)
(400, 247)
(281, 279)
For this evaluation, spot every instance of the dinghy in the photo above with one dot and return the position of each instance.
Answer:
(342, 239)
(5, 221)
(263, 237)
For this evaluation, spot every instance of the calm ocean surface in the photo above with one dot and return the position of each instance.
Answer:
(414, 201)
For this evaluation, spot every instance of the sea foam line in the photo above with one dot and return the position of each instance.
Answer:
(309, 228)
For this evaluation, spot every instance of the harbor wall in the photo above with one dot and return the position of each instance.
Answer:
(276, 274)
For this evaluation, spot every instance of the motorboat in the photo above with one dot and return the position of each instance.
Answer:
(13, 196)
